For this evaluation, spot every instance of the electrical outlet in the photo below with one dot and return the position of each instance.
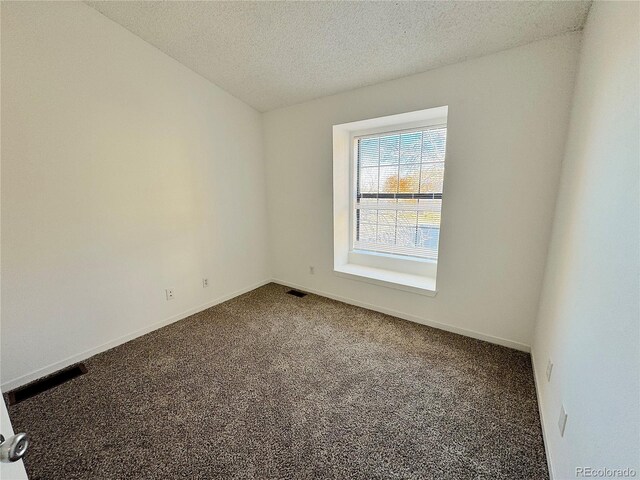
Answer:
(169, 293)
(205, 282)
(549, 369)
(312, 270)
(562, 421)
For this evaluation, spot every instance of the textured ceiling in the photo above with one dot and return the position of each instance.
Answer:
(273, 54)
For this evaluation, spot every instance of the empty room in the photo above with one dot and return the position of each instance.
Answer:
(319, 240)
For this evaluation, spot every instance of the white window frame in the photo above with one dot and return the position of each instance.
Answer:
(377, 132)
(412, 274)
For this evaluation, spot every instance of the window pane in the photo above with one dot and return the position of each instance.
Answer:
(434, 142)
(410, 147)
(389, 149)
(369, 216)
(369, 180)
(386, 234)
(428, 238)
(387, 217)
(368, 151)
(407, 203)
(387, 203)
(429, 213)
(395, 165)
(367, 233)
(431, 177)
(406, 237)
(409, 178)
(389, 179)
(366, 202)
(407, 217)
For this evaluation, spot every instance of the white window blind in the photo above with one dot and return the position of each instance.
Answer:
(397, 197)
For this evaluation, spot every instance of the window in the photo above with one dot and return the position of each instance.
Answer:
(397, 196)
(388, 175)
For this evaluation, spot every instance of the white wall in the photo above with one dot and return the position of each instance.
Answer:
(589, 313)
(508, 115)
(123, 173)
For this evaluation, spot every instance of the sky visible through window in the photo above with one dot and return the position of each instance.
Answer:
(398, 194)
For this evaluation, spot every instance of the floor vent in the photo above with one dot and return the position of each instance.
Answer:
(46, 383)
(297, 293)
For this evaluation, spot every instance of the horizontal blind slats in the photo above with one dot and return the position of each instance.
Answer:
(399, 192)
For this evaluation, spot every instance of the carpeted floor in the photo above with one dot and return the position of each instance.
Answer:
(269, 386)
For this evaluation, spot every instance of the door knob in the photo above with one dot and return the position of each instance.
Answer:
(13, 448)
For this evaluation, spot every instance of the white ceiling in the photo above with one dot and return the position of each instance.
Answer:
(273, 54)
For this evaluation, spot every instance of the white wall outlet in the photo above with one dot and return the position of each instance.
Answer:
(205, 282)
(169, 293)
(562, 421)
(312, 270)
(549, 369)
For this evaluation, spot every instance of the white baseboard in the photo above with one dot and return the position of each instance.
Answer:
(544, 432)
(54, 367)
(412, 318)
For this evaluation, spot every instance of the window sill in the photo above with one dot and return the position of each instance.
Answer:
(388, 278)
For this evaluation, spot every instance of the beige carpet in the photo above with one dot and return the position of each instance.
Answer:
(270, 386)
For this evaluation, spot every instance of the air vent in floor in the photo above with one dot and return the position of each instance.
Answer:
(297, 293)
(44, 384)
